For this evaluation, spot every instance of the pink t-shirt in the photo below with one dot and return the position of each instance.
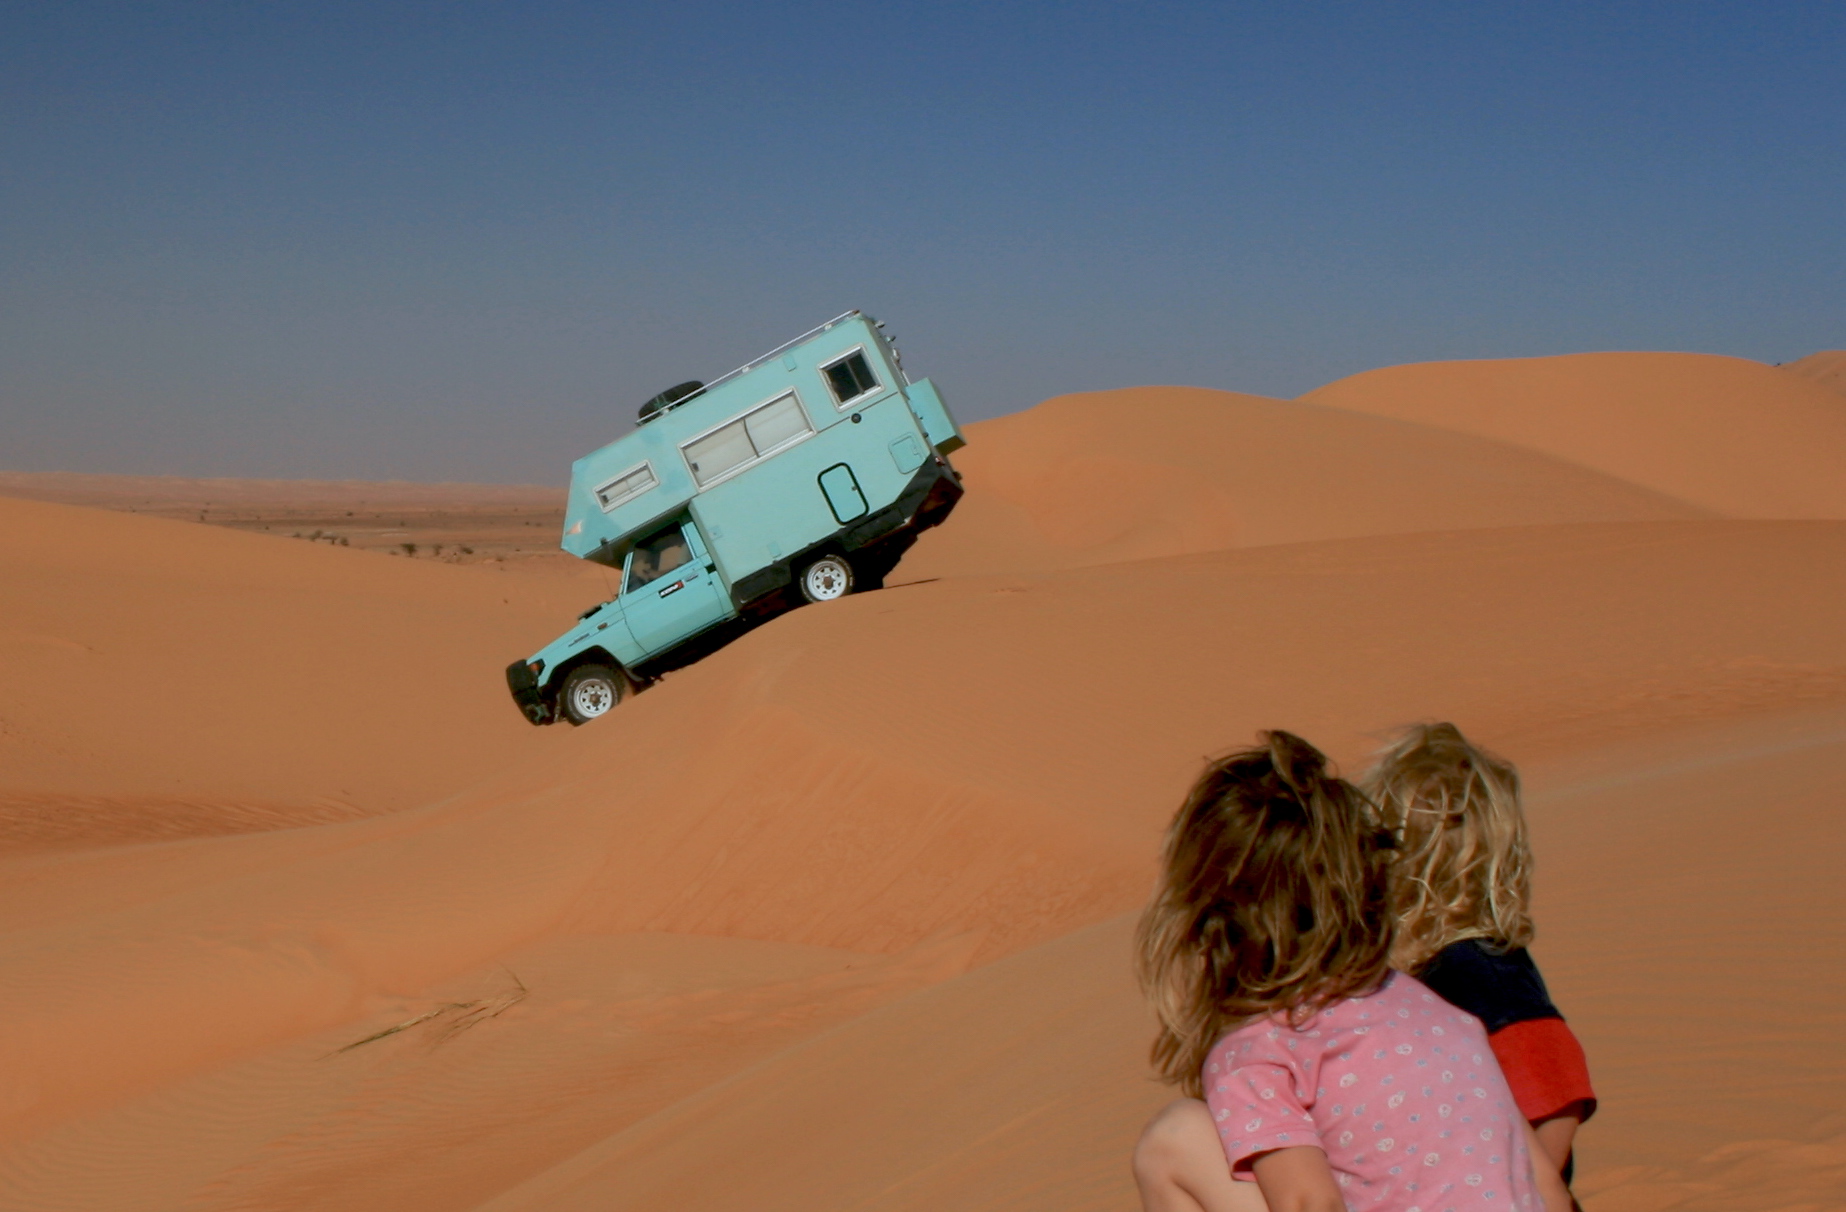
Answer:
(1398, 1088)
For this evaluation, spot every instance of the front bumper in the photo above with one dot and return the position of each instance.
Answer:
(527, 695)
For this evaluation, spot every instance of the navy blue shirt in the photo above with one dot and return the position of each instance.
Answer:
(1499, 988)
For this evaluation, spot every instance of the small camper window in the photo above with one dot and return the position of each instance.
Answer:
(850, 377)
(758, 433)
(626, 487)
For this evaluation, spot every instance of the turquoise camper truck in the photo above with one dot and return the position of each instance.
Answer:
(798, 477)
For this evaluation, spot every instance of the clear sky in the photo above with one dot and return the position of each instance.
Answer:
(467, 240)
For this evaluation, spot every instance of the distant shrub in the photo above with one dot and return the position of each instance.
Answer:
(410, 549)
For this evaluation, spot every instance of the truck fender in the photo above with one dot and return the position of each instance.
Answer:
(594, 655)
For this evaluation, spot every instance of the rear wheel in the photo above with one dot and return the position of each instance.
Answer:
(826, 579)
(590, 691)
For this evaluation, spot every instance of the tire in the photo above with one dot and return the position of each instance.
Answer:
(826, 579)
(590, 691)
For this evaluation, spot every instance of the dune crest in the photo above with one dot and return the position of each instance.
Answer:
(1827, 368)
(1108, 476)
(1735, 437)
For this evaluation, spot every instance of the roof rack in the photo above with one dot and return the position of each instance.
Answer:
(758, 361)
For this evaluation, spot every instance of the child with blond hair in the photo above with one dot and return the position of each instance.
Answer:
(1326, 1081)
(1461, 893)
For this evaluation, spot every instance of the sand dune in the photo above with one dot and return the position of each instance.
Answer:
(1013, 1086)
(838, 917)
(1107, 476)
(1827, 368)
(791, 823)
(1723, 434)
(454, 1105)
(166, 678)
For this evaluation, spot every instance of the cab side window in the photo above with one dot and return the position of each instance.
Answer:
(655, 557)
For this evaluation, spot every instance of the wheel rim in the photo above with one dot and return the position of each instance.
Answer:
(591, 697)
(826, 580)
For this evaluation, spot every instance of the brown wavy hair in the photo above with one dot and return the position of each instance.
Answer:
(1464, 864)
(1273, 898)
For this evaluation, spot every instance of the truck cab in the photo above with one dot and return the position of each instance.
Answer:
(799, 477)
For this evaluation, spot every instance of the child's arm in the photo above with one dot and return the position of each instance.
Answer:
(1550, 1183)
(1179, 1165)
(1300, 1180)
(1556, 1132)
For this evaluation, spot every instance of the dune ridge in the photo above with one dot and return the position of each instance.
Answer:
(1827, 368)
(1732, 436)
(1105, 477)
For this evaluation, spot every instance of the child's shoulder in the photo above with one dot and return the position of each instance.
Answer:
(1398, 1000)
(1498, 986)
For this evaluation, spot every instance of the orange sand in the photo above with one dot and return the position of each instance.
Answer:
(1735, 437)
(1828, 368)
(839, 917)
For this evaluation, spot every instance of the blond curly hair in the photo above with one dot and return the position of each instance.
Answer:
(1464, 865)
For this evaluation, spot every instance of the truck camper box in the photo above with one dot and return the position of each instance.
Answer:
(798, 477)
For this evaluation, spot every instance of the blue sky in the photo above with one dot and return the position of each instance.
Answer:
(466, 240)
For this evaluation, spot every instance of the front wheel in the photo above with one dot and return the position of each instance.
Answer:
(589, 691)
(826, 579)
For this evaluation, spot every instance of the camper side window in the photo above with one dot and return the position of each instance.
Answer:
(757, 434)
(626, 487)
(656, 557)
(850, 377)
(719, 452)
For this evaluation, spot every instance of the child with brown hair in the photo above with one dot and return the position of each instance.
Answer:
(1460, 899)
(1330, 1081)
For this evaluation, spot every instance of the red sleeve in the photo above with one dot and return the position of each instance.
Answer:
(1545, 1067)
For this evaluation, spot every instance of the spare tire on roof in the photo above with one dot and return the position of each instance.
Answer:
(670, 397)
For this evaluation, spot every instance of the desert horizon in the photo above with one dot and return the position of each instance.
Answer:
(300, 913)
